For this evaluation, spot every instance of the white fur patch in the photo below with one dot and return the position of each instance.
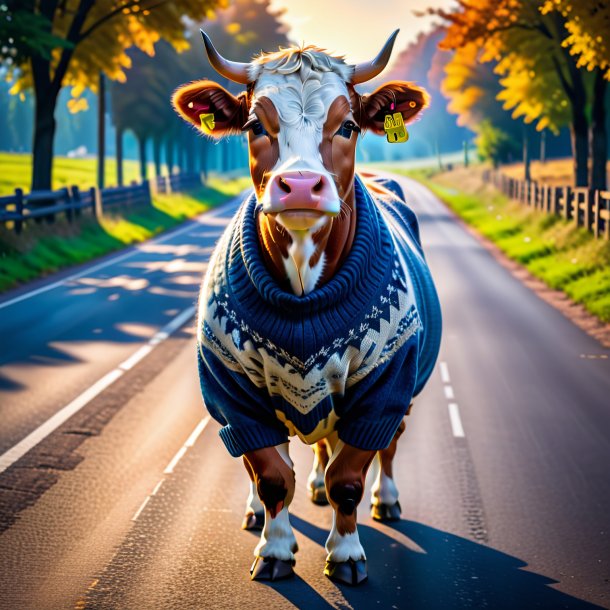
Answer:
(303, 278)
(277, 539)
(384, 490)
(343, 548)
(316, 476)
(253, 503)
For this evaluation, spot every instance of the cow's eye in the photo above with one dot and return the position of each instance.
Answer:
(347, 128)
(256, 127)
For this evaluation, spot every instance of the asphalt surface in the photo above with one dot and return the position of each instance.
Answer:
(132, 501)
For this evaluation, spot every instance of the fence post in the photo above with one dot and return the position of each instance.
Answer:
(19, 209)
(96, 202)
(75, 193)
(588, 209)
(566, 202)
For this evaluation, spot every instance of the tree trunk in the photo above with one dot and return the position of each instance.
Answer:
(526, 154)
(599, 136)
(143, 163)
(157, 155)
(119, 156)
(44, 133)
(579, 133)
(543, 147)
(101, 132)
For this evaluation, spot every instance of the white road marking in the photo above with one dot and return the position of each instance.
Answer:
(115, 259)
(174, 461)
(190, 441)
(444, 372)
(136, 357)
(449, 395)
(16, 452)
(142, 506)
(456, 422)
(21, 448)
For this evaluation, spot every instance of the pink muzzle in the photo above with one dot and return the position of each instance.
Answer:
(301, 191)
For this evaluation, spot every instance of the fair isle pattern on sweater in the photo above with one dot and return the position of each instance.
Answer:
(390, 321)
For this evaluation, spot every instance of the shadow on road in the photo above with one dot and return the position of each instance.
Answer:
(436, 570)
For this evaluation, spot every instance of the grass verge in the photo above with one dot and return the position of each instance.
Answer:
(45, 248)
(563, 256)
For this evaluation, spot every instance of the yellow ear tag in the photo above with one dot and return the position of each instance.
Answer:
(394, 127)
(207, 123)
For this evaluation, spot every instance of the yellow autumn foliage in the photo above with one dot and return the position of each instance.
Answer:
(110, 28)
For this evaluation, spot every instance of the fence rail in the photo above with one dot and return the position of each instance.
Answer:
(583, 206)
(21, 207)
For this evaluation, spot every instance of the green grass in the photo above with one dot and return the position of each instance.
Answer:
(563, 256)
(44, 248)
(16, 172)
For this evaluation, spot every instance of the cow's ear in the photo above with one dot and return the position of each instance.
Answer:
(395, 96)
(211, 108)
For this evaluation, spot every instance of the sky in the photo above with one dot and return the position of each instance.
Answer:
(356, 28)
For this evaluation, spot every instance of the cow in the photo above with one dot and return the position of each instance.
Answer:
(318, 316)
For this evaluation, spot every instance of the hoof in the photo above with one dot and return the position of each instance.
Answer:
(347, 572)
(253, 521)
(318, 495)
(270, 568)
(386, 512)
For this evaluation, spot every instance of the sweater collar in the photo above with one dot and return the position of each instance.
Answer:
(363, 271)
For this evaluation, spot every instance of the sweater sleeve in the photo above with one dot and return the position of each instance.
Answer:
(231, 399)
(381, 401)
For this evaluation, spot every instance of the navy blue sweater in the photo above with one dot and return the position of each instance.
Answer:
(348, 356)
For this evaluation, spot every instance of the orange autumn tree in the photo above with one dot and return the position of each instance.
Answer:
(88, 37)
(538, 72)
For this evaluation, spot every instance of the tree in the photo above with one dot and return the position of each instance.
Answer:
(588, 25)
(523, 40)
(82, 38)
(423, 63)
(240, 31)
(473, 88)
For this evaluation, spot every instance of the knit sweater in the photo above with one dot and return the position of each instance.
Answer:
(349, 356)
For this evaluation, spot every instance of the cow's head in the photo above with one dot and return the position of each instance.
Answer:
(303, 117)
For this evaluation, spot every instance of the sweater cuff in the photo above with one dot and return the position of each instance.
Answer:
(249, 438)
(371, 435)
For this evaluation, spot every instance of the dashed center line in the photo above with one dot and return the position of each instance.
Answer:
(456, 421)
(190, 441)
(454, 412)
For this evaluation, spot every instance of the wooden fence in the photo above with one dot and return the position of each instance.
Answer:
(580, 205)
(71, 201)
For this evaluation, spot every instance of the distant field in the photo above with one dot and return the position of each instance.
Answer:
(555, 172)
(16, 171)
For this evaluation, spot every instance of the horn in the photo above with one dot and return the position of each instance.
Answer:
(370, 69)
(233, 70)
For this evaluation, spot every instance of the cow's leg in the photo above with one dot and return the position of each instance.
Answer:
(345, 474)
(384, 494)
(271, 470)
(315, 481)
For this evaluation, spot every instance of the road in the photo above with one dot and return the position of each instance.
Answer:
(117, 493)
